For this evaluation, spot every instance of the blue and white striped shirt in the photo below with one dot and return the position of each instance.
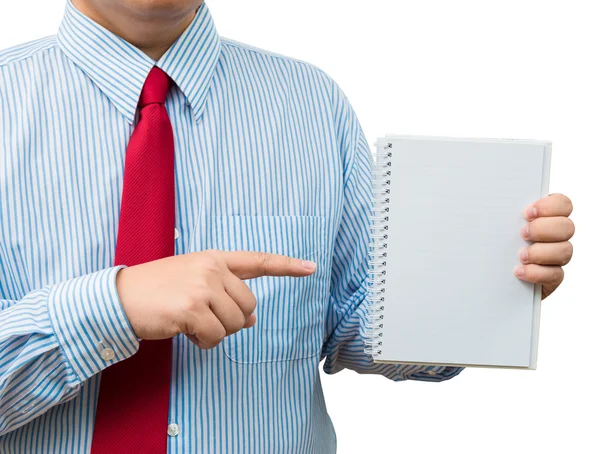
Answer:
(269, 156)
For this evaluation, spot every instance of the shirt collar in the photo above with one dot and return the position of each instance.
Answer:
(120, 69)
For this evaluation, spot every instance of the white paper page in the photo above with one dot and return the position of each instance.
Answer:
(456, 209)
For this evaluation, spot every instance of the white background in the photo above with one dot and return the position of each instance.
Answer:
(518, 69)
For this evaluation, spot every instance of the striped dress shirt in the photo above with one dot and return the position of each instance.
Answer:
(270, 157)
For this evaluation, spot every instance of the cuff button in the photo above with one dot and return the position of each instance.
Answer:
(107, 354)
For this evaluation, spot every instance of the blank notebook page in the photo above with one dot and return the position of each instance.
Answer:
(456, 210)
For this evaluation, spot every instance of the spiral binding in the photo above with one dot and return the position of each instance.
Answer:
(378, 250)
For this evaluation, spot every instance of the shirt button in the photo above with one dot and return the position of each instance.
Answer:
(432, 372)
(176, 233)
(107, 354)
(173, 430)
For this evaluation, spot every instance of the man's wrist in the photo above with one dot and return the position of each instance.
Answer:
(90, 322)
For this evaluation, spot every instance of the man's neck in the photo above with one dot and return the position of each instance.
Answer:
(152, 32)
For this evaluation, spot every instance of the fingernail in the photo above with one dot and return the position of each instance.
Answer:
(531, 212)
(523, 255)
(519, 271)
(308, 265)
(525, 231)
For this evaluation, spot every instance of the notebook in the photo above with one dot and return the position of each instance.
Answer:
(445, 238)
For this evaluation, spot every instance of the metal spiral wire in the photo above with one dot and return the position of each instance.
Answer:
(378, 250)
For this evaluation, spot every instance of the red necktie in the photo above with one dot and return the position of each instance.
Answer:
(133, 404)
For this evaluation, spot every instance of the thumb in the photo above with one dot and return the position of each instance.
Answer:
(248, 265)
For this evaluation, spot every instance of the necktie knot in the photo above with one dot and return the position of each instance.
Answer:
(156, 87)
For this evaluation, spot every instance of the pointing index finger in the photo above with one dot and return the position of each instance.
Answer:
(250, 264)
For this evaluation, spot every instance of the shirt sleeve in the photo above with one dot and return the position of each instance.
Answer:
(346, 321)
(55, 338)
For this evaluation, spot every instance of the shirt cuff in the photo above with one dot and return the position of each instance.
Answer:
(434, 373)
(90, 323)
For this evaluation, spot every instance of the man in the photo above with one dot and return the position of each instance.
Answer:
(143, 157)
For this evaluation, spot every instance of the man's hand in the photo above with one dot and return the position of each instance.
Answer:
(200, 294)
(549, 229)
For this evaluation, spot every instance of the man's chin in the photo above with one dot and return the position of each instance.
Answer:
(154, 9)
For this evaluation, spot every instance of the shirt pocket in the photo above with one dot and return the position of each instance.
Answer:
(289, 310)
